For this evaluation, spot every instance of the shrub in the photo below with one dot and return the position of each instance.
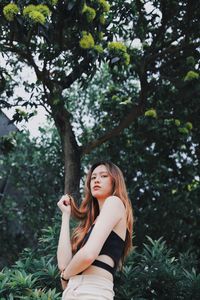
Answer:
(152, 274)
(156, 274)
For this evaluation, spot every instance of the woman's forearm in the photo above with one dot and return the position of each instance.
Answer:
(80, 261)
(64, 251)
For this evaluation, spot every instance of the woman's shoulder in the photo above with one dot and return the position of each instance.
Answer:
(114, 200)
(115, 205)
(120, 227)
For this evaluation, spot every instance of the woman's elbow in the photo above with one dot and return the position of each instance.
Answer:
(62, 264)
(89, 255)
(61, 267)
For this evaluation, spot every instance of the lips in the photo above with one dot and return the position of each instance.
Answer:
(96, 187)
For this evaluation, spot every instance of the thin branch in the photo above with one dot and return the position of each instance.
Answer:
(27, 57)
(47, 97)
(128, 119)
(135, 112)
(172, 49)
(78, 70)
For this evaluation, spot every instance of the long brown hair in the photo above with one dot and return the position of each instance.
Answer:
(89, 208)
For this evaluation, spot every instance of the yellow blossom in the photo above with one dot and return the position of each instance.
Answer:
(117, 46)
(151, 113)
(10, 11)
(104, 5)
(53, 2)
(37, 13)
(87, 41)
(119, 49)
(89, 12)
(189, 125)
(98, 48)
(27, 9)
(177, 122)
(37, 17)
(102, 19)
(43, 9)
(191, 75)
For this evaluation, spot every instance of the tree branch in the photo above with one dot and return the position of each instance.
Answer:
(78, 70)
(172, 49)
(27, 57)
(134, 113)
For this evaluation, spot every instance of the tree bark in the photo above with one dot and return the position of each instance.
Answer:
(71, 152)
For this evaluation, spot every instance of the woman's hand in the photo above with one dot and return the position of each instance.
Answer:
(64, 282)
(65, 204)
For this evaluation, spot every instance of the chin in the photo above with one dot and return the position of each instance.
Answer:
(96, 195)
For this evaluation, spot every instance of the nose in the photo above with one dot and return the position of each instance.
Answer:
(96, 179)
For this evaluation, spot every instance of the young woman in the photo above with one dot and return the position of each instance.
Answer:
(101, 241)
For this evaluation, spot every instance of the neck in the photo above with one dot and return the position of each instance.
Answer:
(100, 203)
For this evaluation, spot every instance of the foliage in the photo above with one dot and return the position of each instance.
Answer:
(87, 41)
(191, 75)
(147, 112)
(35, 275)
(62, 42)
(152, 274)
(89, 12)
(65, 43)
(55, 42)
(156, 274)
(10, 11)
(34, 174)
(159, 155)
(7, 143)
(119, 49)
(151, 113)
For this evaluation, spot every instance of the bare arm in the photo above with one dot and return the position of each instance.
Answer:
(64, 251)
(111, 213)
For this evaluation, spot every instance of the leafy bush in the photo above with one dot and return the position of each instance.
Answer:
(35, 275)
(156, 274)
(152, 274)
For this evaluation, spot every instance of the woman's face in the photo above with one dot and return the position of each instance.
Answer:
(101, 184)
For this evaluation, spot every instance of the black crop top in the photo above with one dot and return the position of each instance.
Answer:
(113, 247)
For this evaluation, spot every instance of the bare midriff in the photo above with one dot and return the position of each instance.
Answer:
(120, 229)
(94, 270)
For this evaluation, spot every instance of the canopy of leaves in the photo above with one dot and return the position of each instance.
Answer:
(162, 47)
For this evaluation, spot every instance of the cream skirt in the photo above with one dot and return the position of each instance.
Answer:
(88, 287)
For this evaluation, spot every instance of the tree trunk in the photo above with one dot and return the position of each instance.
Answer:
(71, 152)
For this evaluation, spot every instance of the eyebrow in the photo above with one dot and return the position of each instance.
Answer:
(100, 172)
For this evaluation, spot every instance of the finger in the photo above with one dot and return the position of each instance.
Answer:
(66, 203)
(65, 197)
(61, 201)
